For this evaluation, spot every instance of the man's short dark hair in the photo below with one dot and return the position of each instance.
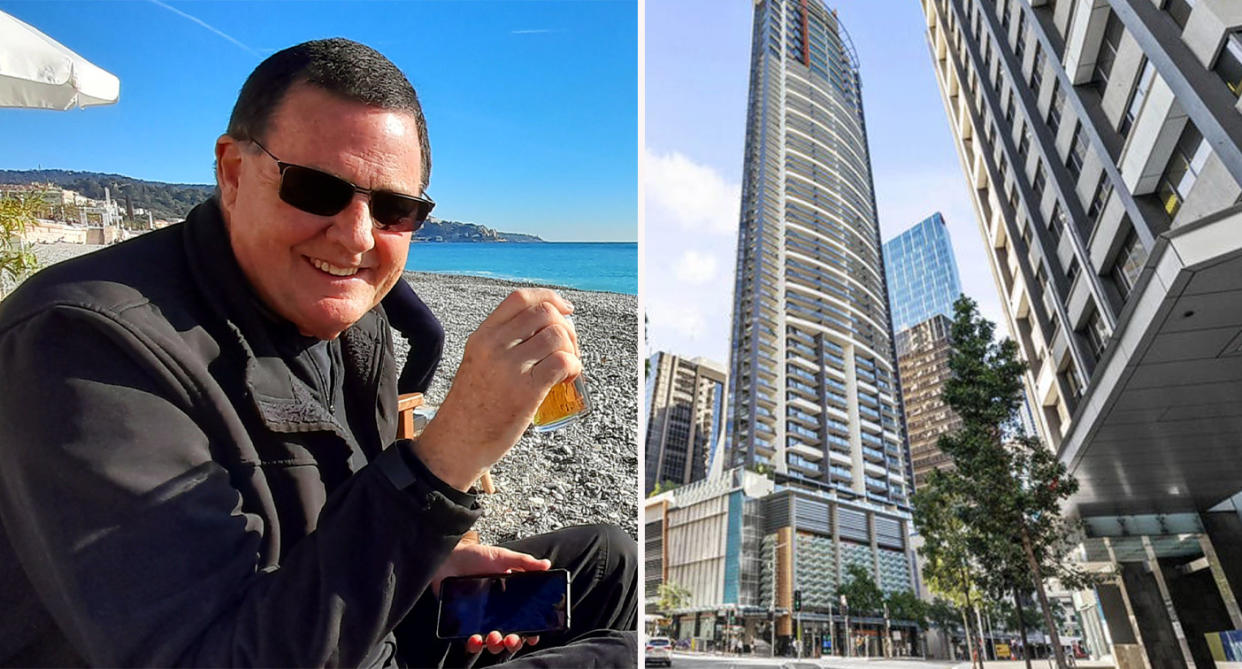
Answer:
(339, 66)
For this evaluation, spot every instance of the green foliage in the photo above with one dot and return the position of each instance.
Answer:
(994, 521)
(942, 614)
(17, 213)
(663, 486)
(861, 593)
(670, 597)
(905, 605)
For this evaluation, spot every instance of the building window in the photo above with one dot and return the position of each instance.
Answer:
(1004, 14)
(1179, 176)
(1097, 335)
(1229, 64)
(1129, 264)
(1102, 191)
(1147, 74)
(1019, 47)
(1056, 224)
(1009, 109)
(1077, 153)
(1038, 184)
(1113, 30)
(1024, 144)
(1071, 381)
(1037, 68)
(1180, 11)
(1071, 274)
(1056, 106)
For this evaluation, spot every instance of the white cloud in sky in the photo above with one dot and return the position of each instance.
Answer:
(689, 194)
(696, 267)
(688, 256)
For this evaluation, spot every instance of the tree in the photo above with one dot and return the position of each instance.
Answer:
(17, 214)
(905, 605)
(861, 592)
(670, 597)
(1006, 489)
(949, 568)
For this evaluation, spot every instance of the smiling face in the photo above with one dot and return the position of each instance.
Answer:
(322, 273)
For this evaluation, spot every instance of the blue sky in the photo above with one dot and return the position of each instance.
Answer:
(531, 106)
(697, 62)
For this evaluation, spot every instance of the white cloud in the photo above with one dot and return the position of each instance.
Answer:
(693, 196)
(695, 267)
(685, 319)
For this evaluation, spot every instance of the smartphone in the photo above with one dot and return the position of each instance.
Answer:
(523, 602)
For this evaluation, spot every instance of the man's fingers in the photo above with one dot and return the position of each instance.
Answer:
(513, 642)
(532, 640)
(512, 559)
(495, 642)
(522, 299)
(557, 367)
(530, 322)
(474, 644)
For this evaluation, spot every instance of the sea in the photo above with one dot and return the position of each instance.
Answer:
(606, 266)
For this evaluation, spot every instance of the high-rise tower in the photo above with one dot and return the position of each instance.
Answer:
(812, 382)
(922, 274)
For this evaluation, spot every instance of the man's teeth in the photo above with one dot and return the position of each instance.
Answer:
(333, 269)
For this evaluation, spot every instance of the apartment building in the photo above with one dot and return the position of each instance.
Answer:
(1102, 140)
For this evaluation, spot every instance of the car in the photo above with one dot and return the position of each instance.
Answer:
(659, 651)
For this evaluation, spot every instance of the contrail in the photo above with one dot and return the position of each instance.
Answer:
(205, 25)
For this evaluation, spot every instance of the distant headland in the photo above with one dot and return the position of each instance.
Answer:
(171, 202)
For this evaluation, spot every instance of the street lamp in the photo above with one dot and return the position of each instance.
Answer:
(849, 646)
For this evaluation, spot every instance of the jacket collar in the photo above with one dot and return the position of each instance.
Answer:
(283, 401)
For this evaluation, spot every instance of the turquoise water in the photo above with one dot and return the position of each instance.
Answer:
(610, 266)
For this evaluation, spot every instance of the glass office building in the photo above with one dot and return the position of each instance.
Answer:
(922, 273)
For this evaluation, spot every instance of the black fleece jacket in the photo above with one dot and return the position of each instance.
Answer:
(172, 494)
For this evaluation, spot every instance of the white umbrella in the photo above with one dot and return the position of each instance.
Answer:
(37, 72)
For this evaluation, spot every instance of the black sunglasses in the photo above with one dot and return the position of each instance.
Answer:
(317, 192)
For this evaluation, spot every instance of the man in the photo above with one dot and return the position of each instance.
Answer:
(197, 457)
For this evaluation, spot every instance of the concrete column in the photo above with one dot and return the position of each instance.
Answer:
(1151, 616)
(1167, 599)
(1224, 540)
(1128, 646)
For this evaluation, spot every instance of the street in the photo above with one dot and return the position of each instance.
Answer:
(691, 660)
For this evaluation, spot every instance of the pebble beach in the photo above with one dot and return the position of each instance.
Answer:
(584, 473)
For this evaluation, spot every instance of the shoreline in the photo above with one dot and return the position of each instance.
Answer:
(419, 275)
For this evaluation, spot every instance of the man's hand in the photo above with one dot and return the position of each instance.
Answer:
(519, 352)
(472, 559)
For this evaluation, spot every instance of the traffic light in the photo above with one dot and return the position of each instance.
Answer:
(797, 600)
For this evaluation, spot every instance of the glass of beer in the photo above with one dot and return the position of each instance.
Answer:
(565, 404)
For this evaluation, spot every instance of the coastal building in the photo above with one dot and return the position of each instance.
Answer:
(923, 367)
(921, 272)
(812, 374)
(685, 418)
(742, 544)
(1102, 142)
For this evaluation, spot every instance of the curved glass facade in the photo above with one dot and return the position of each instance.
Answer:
(812, 379)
